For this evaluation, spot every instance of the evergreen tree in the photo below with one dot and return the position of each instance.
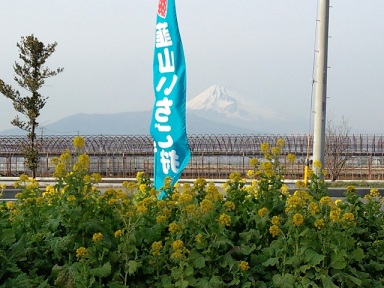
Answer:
(30, 75)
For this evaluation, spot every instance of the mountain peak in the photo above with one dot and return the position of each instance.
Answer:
(217, 98)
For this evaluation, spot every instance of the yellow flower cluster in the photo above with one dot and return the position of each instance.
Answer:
(334, 215)
(156, 247)
(276, 220)
(274, 230)
(119, 233)
(179, 250)
(71, 198)
(253, 162)
(297, 201)
(185, 198)
(191, 209)
(199, 238)
(10, 205)
(319, 223)
(78, 142)
(262, 212)
(174, 227)
(206, 205)
(230, 205)
(291, 158)
(313, 208)
(81, 252)
(348, 217)
(298, 219)
(212, 193)
(326, 201)
(224, 219)
(97, 237)
(244, 265)
(161, 219)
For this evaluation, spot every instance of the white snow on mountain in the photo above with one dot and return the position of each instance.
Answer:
(227, 101)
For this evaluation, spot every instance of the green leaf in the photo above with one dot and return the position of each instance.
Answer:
(215, 281)
(327, 281)
(202, 283)
(7, 237)
(102, 271)
(133, 266)
(182, 284)
(286, 281)
(271, 262)
(198, 260)
(357, 254)
(353, 279)
(312, 257)
(338, 260)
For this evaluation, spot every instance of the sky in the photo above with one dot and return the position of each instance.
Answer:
(262, 48)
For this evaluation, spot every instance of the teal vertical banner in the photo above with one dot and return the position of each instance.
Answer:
(168, 127)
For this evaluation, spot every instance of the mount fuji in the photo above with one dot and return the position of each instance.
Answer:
(218, 110)
(225, 104)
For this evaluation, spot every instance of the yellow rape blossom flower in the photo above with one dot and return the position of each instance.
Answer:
(280, 142)
(276, 151)
(71, 198)
(319, 223)
(23, 178)
(253, 162)
(119, 233)
(78, 142)
(173, 227)
(313, 208)
(317, 164)
(262, 212)
(156, 247)
(224, 220)
(139, 176)
(264, 147)
(10, 205)
(276, 220)
(291, 158)
(191, 209)
(206, 205)
(298, 219)
(142, 209)
(199, 238)
(374, 192)
(161, 218)
(348, 217)
(334, 215)
(326, 201)
(185, 198)
(177, 244)
(97, 237)
(243, 265)
(284, 190)
(274, 230)
(178, 254)
(230, 205)
(251, 173)
(81, 252)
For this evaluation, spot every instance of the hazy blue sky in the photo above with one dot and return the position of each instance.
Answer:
(262, 48)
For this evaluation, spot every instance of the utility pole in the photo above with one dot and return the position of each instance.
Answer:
(321, 87)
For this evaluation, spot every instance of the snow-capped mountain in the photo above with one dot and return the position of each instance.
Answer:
(218, 110)
(230, 103)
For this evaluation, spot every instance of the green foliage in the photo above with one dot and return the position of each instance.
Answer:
(245, 234)
(31, 76)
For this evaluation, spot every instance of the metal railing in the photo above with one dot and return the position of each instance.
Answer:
(213, 156)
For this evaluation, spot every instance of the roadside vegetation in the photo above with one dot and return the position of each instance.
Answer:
(252, 235)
